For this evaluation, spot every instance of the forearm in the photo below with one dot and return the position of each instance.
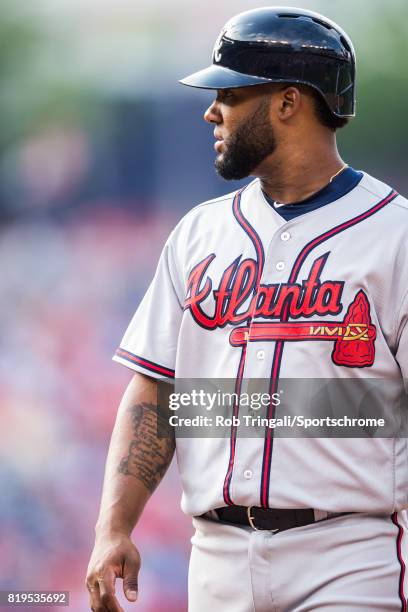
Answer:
(137, 458)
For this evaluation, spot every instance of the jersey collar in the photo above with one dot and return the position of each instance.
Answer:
(339, 187)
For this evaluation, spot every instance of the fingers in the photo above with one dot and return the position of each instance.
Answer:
(102, 593)
(107, 592)
(130, 579)
(94, 598)
(119, 558)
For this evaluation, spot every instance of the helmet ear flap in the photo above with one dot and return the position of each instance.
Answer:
(345, 91)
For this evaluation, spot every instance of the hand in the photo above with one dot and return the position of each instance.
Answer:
(114, 556)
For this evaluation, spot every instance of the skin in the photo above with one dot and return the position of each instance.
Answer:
(267, 131)
(141, 449)
(303, 153)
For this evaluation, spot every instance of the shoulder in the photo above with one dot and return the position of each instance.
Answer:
(205, 216)
(384, 191)
(210, 207)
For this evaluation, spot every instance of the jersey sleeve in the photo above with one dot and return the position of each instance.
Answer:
(149, 344)
(402, 341)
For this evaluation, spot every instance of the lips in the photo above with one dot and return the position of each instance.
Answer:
(218, 145)
(219, 141)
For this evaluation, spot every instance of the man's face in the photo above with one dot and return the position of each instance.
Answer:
(244, 133)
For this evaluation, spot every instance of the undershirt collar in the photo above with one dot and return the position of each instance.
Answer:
(339, 187)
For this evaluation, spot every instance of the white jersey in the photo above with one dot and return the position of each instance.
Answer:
(235, 285)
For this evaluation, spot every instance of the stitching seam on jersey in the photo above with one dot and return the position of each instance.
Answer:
(376, 195)
(400, 202)
(215, 201)
(393, 473)
(397, 335)
(250, 544)
(406, 458)
(172, 254)
(219, 200)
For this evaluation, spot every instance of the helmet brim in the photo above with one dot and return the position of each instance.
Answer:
(218, 77)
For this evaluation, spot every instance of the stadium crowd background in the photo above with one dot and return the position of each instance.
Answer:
(101, 152)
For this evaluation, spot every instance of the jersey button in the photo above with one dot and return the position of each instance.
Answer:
(285, 236)
(248, 474)
(280, 266)
(260, 355)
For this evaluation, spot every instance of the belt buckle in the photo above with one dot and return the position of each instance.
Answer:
(251, 521)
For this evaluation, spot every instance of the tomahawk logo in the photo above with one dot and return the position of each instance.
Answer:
(217, 48)
(237, 301)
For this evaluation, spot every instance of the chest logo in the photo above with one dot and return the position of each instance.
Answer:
(237, 301)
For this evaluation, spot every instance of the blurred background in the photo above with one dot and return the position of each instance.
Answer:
(101, 153)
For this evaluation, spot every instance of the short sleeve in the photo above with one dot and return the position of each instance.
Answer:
(150, 341)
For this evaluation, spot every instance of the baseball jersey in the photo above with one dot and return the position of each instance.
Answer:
(242, 293)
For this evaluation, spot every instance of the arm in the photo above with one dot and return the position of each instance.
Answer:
(137, 461)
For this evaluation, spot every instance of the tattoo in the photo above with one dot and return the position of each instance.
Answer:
(152, 447)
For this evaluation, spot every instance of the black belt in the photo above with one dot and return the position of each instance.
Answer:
(271, 519)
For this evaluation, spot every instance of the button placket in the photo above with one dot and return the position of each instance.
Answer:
(274, 271)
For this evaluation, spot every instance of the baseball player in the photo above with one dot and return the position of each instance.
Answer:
(301, 274)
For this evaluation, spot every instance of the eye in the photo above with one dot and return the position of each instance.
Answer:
(225, 95)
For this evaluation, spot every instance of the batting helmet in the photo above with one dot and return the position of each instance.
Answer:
(283, 45)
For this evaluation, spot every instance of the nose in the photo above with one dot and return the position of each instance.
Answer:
(212, 114)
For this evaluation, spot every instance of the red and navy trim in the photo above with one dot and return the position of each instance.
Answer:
(277, 358)
(403, 599)
(260, 258)
(233, 436)
(151, 366)
(248, 229)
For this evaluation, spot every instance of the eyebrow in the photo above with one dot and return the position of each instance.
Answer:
(223, 92)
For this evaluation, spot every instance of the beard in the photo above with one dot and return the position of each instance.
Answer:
(248, 146)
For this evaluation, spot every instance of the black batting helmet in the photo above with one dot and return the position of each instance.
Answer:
(283, 45)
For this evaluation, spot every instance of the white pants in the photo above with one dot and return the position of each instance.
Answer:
(344, 564)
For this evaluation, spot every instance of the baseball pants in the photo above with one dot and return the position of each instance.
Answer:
(345, 564)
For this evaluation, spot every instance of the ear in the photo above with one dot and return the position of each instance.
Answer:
(289, 101)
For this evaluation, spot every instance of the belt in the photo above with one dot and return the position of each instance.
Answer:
(271, 519)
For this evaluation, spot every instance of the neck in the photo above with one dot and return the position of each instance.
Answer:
(299, 173)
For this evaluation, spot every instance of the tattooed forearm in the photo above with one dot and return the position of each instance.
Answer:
(152, 446)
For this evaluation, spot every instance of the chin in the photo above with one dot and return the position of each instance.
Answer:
(231, 176)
